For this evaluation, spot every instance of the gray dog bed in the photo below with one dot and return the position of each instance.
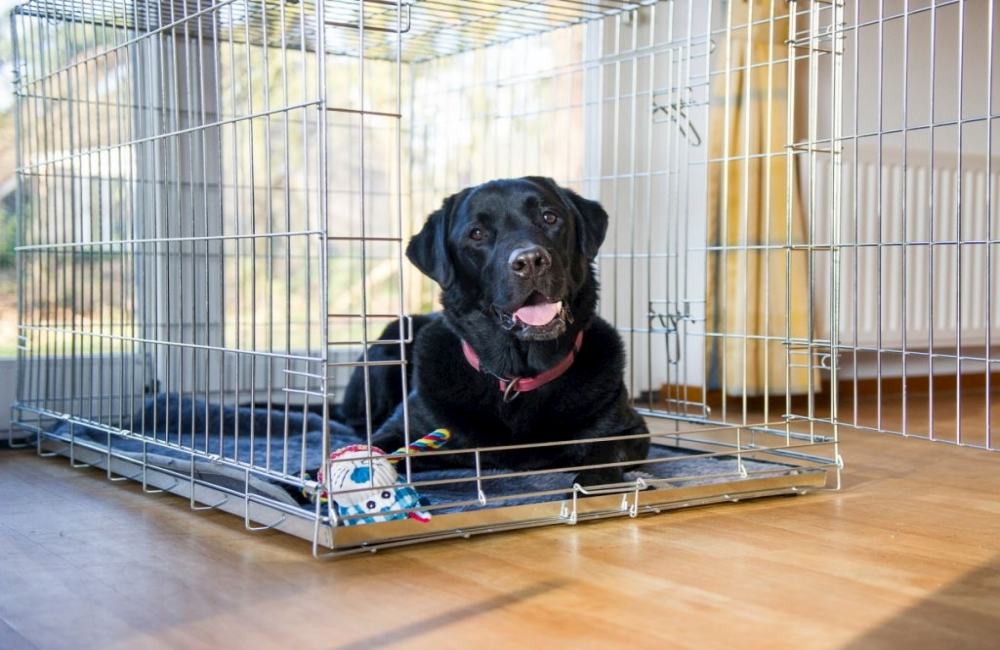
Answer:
(186, 421)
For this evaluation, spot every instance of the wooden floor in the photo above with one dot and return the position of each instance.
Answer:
(907, 555)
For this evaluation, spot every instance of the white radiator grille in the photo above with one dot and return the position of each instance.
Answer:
(913, 258)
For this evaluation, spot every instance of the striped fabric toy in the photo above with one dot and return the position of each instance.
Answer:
(387, 494)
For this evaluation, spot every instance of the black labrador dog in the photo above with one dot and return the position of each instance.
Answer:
(518, 354)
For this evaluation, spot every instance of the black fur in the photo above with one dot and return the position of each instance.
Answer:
(385, 385)
(480, 294)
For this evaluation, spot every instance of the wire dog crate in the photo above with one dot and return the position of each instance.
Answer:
(214, 197)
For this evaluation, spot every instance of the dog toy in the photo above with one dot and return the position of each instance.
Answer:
(355, 467)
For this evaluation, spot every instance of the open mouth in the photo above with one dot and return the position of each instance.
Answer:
(538, 311)
(539, 318)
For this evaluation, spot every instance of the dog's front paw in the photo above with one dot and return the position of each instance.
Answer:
(599, 476)
(388, 441)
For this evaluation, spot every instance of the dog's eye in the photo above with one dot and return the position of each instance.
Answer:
(476, 234)
(370, 505)
(386, 494)
(550, 217)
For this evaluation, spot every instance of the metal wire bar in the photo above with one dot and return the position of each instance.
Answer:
(203, 182)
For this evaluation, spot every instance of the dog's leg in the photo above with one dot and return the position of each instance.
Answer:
(602, 476)
(385, 384)
(391, 435)
(613, 452)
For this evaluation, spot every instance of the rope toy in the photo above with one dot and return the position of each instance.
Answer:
(432, 441)
(360, 466)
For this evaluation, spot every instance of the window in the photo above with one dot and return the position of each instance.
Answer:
(8, 224)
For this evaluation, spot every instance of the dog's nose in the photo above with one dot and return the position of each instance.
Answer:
(530, 261)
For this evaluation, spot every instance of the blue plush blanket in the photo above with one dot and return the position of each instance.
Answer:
(252, 435)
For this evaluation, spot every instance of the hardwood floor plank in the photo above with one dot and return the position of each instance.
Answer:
(907, 554)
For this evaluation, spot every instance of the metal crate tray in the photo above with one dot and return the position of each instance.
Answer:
(212, 485)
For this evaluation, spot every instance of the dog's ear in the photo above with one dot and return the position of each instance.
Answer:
(593, 221)
(428, 249)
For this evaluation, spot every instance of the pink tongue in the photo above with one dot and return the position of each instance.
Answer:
(537, 315)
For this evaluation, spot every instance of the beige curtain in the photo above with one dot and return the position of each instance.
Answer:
(750, 205)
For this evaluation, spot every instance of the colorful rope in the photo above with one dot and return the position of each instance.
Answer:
(432, 441)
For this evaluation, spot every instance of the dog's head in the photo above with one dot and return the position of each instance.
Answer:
(518, 250)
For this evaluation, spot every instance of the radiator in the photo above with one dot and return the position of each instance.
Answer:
(913, 265)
